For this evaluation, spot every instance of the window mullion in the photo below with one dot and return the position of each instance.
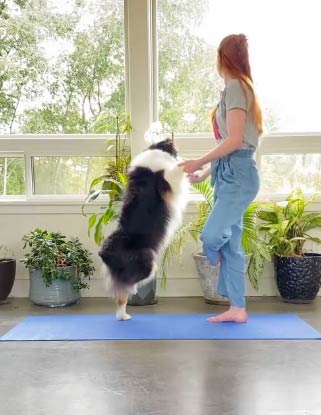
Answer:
(29, 176)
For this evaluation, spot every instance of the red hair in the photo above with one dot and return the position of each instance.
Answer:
(233, 57)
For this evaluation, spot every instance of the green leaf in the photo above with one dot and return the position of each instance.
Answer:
(123, 178)
(108, 216)
(98, 180)
(91, 222)
(206, 190)
(92, 195)
(267, 216)
(313, 223)
(98, 235)
(255, 269)
(263, 250)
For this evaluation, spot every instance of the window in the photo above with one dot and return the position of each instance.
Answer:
(12, 176)
(59, 166)
(281, 173)
(66, 175)
(62, 66)
(188, 84)
(284, 44)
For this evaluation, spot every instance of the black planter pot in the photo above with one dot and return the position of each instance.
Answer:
(7, 277)
(298, 278)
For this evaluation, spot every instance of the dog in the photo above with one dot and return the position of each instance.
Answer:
(151, 211)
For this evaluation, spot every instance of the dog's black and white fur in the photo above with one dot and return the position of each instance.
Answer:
(151, 212)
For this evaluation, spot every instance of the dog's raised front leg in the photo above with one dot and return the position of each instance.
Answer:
(174, 177)
(122, 299)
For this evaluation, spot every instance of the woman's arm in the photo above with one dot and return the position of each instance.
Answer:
(235, 122)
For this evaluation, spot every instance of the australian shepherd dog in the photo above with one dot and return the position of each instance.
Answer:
(151, 212)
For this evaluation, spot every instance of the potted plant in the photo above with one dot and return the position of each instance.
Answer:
(7, 272)
(286, 227)
(58, 268)
(252, 242)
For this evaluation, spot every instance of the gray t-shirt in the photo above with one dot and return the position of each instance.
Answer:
(234, 97)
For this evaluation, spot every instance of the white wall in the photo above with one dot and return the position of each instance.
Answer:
(19, 218)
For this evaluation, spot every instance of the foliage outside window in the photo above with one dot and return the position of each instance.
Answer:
(288, 87)
(62, 64)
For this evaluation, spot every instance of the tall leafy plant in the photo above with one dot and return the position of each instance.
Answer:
(252, 242)
(113, 183)
(286, 226)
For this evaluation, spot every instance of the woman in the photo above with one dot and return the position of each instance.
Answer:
(237, 125)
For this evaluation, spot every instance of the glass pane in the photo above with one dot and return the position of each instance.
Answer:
(281, 173)
(66, 175)
(285, 66)
(12, 176)
(66, 66)
(188, 84)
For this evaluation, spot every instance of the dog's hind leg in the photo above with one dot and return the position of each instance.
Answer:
(122, 298)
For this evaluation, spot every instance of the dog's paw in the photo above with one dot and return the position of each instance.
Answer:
(123, 316)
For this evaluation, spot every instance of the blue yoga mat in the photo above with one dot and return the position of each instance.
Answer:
(159, 327)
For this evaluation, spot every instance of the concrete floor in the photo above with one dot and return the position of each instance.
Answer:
(161, 377)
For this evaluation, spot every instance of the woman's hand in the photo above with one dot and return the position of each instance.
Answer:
(190, 166)
(198, 176)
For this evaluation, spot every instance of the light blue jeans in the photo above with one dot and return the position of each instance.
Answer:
(236, 182)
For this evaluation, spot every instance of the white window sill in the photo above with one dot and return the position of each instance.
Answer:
(73, 205)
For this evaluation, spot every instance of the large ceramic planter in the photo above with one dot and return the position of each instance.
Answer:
(298, 278)
(208, 275)
(7, 277)
(145, 294)
(59, 294)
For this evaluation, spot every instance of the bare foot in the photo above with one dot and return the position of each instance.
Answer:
(235, 314)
